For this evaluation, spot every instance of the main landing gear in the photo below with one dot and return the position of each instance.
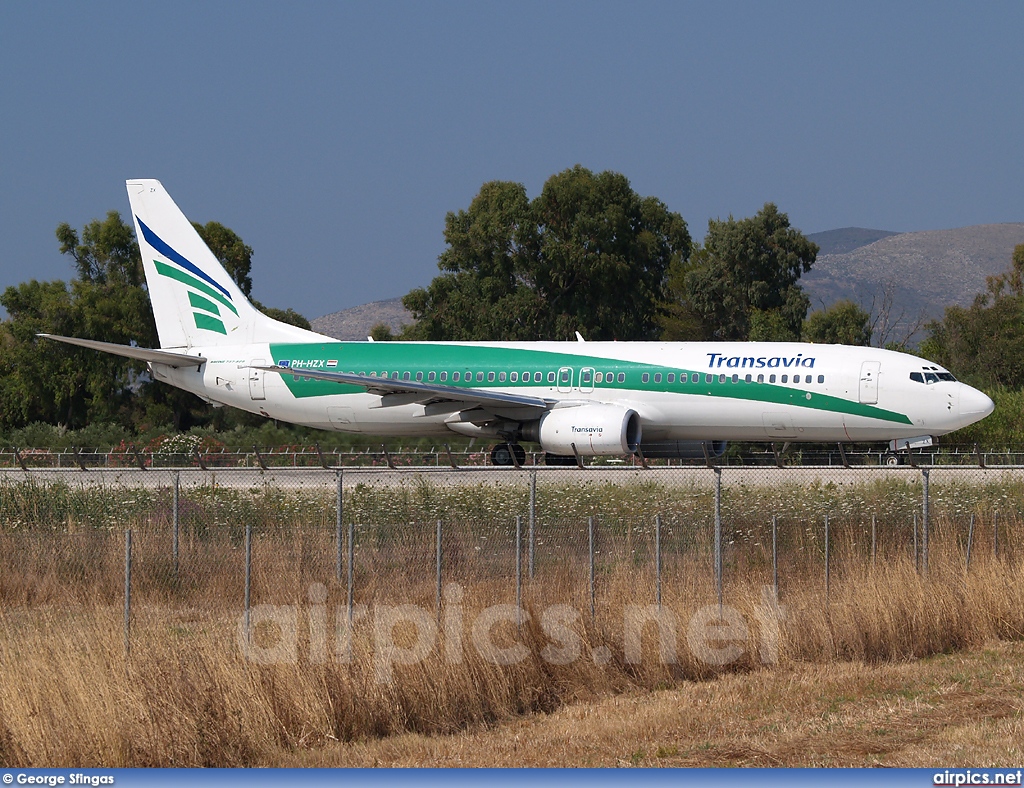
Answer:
(508, 454)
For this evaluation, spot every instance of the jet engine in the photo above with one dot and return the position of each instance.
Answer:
(594, 429)
(686, 450)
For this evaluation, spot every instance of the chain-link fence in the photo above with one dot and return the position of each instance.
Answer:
(567, 536)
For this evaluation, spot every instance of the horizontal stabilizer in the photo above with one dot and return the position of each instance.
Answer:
(138, 353)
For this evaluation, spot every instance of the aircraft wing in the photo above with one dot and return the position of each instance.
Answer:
(406, 392)
(139, 353)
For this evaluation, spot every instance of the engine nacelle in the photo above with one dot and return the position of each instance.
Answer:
(594, 429)
(685, 450)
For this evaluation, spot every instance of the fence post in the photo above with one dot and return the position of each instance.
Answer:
(590, 533)
(351, 572)
(718, 537)
(438, 543)
(828, 561)
(533, 516)
(657, 557)
(248, 581)
(917, 552)
(338, 544)
(177, 520)
(924, 522)
(775, 555)
(995, 534)
(519, 571)
(874, 538)
(127, 591)
(970, 542)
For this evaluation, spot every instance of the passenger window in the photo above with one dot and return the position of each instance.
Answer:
(419, 377)
(747, 379)
(373, 374)
(431, 376)
(598, 377)
(538, 377)
(490, 377)
(501, 377)
(585, 376)
(708, 378)
(721, 378)
(444, 376)
(760, 378)
(406, 376)
(645, 378)
(551, 377)
(821, 378)
(480, 377)
(394, 376)
(456, 376)
(657, 377)
(513, 377)
(735, 378)
(785, 378)
(771, 378)
(671, 377)
(622, 377)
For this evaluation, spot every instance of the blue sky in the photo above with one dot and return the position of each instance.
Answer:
(333, 137)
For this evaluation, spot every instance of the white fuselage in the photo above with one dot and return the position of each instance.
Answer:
(717, 390)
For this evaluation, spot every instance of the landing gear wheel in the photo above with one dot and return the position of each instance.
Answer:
(892, 460)
(502, 454)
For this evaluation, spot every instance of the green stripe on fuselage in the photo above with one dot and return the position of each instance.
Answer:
(388, 357)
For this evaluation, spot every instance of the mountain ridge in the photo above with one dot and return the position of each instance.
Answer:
(914, 275)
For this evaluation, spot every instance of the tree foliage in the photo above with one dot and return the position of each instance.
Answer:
(588, 255)
(843, 323)
(43, 381)
(984, 343)
(232, 252)
(744, 281)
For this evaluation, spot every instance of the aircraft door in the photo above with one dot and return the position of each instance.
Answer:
(869, 371)
(565, 380)
(257, 391)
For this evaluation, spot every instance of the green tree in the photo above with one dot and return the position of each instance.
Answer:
(232, 252)
(289, 315)
(381, 332)
(43, 381)
(984, 343)
(588, 254)
(106, 253)
(843, 323)
(744, 283)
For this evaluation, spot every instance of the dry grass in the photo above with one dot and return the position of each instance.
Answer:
(847, 675)
(956, 709)
(891, 666)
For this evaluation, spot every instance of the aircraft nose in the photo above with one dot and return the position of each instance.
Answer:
(974, 405)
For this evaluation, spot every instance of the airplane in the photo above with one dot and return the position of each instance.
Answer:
(650, 399)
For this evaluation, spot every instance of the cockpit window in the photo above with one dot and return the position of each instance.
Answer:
(932, 377)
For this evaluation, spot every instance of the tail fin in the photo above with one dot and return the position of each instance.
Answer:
(195, 301)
